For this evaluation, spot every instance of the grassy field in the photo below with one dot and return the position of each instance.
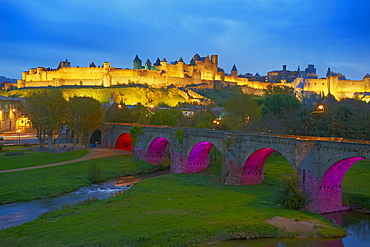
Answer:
(36, 159)
(356, 184)
(170, 210)
(54, 181)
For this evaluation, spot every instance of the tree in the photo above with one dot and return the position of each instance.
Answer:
(271, 90)
(84, 116)
(140, 114)
(47, 110)
(169, 117)
(281, 113)
(118, 113)
(204, 119)
(352, 118)
(242, 112)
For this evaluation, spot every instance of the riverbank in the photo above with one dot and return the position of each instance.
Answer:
(177, 210)
(52, 181)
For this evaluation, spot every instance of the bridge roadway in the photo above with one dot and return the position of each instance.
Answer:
(321, 161)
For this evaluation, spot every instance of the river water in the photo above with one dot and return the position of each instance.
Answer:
(21, 212)
(356, 223)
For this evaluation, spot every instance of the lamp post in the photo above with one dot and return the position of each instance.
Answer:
(19, 136)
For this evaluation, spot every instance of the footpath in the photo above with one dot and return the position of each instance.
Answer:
(93, 154)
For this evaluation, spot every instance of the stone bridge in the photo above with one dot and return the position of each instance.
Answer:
(321, 162)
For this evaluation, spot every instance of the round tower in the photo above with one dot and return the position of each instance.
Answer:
(137, 62)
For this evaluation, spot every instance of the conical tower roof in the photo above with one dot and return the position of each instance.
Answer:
(234, 68)
(137, 58)
(157, 62)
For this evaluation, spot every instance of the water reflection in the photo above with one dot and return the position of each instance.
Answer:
(290, 242)
(356, 223)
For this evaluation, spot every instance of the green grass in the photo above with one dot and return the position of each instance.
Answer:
(171, 210)
(36, 159)
(54, 181)
(356, 184)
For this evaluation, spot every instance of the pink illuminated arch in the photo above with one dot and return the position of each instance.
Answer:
(253, 168)
(124, 142)
(330, 188)
(334, 176)
(199, 157)
(158, 151)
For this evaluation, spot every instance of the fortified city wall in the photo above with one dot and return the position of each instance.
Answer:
(200, 70)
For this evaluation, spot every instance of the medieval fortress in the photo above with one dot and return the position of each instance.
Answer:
(201, 72)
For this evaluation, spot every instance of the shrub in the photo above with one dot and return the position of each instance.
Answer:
(180, 135)
(95, 174)
(289, 195)
(135, 131)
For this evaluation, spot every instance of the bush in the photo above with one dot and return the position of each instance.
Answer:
(95, 174)
(135, 131)
(289, 195)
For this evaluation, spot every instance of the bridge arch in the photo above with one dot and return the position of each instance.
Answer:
(330, 187)
(124, 142)
(95, 137)
(253, 168)
(158, 151)
(199, 157)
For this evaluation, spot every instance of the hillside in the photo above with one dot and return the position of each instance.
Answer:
(128, 95)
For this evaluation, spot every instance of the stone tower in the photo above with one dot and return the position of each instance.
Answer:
(137, 62)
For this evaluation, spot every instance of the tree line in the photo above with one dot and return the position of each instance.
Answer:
(49, 111)
(278, 112)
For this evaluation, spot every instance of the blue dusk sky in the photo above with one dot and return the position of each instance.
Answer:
(255, 35)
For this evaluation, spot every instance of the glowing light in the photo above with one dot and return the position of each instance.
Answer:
(119, 106)
(320, 108)
(1, 111)
(13, 110)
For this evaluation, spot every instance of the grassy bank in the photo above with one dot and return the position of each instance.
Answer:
(54, 181)
(356, 184)
(171, 210)
(37, 159)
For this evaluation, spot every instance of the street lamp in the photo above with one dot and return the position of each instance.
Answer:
(19, 136)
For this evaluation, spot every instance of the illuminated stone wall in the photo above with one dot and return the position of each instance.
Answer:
(179, 74)
(332, 84)
(204, 70)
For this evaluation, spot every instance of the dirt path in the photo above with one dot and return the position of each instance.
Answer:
(93, 154)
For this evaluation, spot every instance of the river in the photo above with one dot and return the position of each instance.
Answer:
(14, 214)
(356, 223)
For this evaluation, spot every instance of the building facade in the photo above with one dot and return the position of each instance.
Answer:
(11, 119)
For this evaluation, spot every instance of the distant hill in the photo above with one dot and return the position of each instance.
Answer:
(3, 78)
